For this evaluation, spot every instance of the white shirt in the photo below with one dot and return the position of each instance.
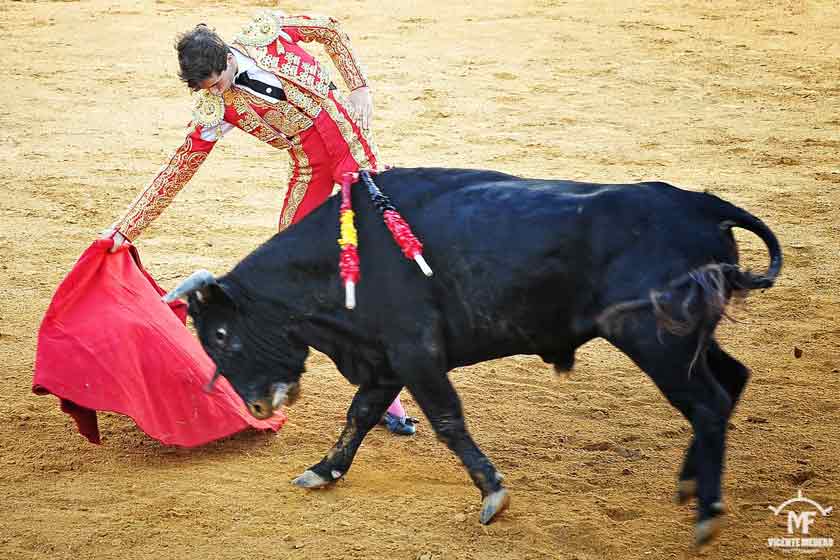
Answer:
(244, 64)
(247, 65)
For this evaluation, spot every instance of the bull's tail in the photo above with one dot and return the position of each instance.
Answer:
(696, 300)
(737, 217)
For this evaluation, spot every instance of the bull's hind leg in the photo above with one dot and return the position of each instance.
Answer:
(700, 398)
(732, 375)
(441, 405)
(367, 408)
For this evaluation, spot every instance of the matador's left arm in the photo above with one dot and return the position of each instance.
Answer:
(328, 32)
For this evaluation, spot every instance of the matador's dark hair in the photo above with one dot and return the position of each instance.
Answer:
(201, 53)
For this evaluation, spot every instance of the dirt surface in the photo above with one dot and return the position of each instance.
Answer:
(740, 98)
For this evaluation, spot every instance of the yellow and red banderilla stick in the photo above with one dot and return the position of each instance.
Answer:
(348, 263)
(411, 247)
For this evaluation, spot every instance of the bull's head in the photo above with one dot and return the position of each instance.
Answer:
(251, 346)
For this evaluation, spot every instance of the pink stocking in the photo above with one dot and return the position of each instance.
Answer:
(397, 409)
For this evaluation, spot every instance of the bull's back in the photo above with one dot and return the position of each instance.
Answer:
(481, 205)
(512, 257)
(520, 222)
(516, 222)
(522, 262)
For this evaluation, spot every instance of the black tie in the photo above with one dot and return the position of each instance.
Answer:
(255, 85)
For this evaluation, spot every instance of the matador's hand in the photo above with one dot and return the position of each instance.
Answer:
(361, 104)
(118, 238)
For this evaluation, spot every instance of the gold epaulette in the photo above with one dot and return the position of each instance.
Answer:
(262, 30)
(208, 109)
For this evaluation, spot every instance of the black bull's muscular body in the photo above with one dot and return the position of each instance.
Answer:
(522, 266)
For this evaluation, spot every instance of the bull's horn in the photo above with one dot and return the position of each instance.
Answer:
(209, 387)
(196, 281)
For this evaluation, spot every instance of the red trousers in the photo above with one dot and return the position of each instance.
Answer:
(321, 154)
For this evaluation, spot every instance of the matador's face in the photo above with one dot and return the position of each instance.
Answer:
(218, 83)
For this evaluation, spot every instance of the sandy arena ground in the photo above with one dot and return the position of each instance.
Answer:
(740, 98)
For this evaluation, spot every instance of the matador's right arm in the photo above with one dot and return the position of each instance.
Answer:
(152, 201)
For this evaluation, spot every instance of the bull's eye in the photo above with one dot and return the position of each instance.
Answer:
(221, 335)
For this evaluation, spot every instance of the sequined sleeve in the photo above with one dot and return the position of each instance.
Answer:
(328, 32)
(153, 200)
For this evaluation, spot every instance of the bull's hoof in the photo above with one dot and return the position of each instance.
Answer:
(494, 504)
(310, 479)
(686, 490)
(708, 529)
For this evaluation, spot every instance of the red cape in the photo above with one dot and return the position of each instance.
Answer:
(108, 342)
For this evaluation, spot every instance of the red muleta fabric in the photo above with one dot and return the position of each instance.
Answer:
(108, 342)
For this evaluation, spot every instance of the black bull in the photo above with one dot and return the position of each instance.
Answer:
(522, 266)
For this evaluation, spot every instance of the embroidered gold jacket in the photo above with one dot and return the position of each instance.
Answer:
(271, 40)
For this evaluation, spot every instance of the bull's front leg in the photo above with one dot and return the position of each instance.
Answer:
(367, 409)
(440, 403)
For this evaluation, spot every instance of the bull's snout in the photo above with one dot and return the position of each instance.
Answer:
(282, 394)
(260, 409)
